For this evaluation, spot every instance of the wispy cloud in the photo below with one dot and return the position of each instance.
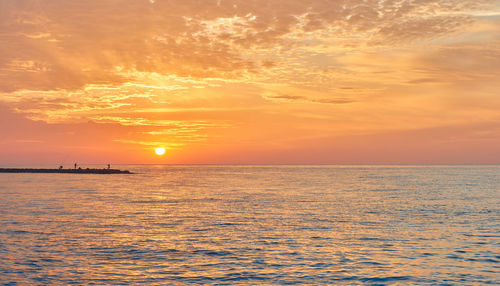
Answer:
(299, 98)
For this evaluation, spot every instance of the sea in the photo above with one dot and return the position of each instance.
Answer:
(253, 225)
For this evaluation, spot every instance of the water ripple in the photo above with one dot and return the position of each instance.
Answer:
(253, 225)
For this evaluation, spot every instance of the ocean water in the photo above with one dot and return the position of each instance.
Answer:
(253, 225)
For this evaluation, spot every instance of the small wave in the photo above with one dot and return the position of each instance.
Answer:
(228, 224)
(27, 232)
(385, 279)
(244, 276)
(320, 238)
(322, 265)
(172, 201)
(373, 263)
(485, 260)
(373, 239)
(201, 229)
(384, 190)
(213, 252)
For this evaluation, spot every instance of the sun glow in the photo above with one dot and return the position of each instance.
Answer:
(160, 151)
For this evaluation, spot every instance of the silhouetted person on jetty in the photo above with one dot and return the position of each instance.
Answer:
(109, 166)
(75, 166)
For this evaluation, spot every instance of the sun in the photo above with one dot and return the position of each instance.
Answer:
(160, 151)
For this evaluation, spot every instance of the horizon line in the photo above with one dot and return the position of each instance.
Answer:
(262, 164)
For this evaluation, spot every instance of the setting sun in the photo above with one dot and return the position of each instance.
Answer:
(160, 151)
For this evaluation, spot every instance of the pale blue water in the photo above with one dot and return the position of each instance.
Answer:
(258, 225)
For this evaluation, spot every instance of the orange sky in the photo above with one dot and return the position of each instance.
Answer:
(254, 81)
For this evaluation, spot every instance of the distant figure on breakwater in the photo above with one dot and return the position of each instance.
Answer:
(76, 165)
(109, 166)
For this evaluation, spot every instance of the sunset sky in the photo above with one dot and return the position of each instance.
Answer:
(253, 81)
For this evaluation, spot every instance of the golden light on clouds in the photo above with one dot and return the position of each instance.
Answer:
(259, 81)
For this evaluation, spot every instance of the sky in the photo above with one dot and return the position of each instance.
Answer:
(250, 81)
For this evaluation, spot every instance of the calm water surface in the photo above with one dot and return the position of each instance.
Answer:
(259, 225)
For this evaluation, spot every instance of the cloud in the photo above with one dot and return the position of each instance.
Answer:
(299, 98)
(68, 44)
(142, 65)
(424, 81)
(418, 29)
(334, 100)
